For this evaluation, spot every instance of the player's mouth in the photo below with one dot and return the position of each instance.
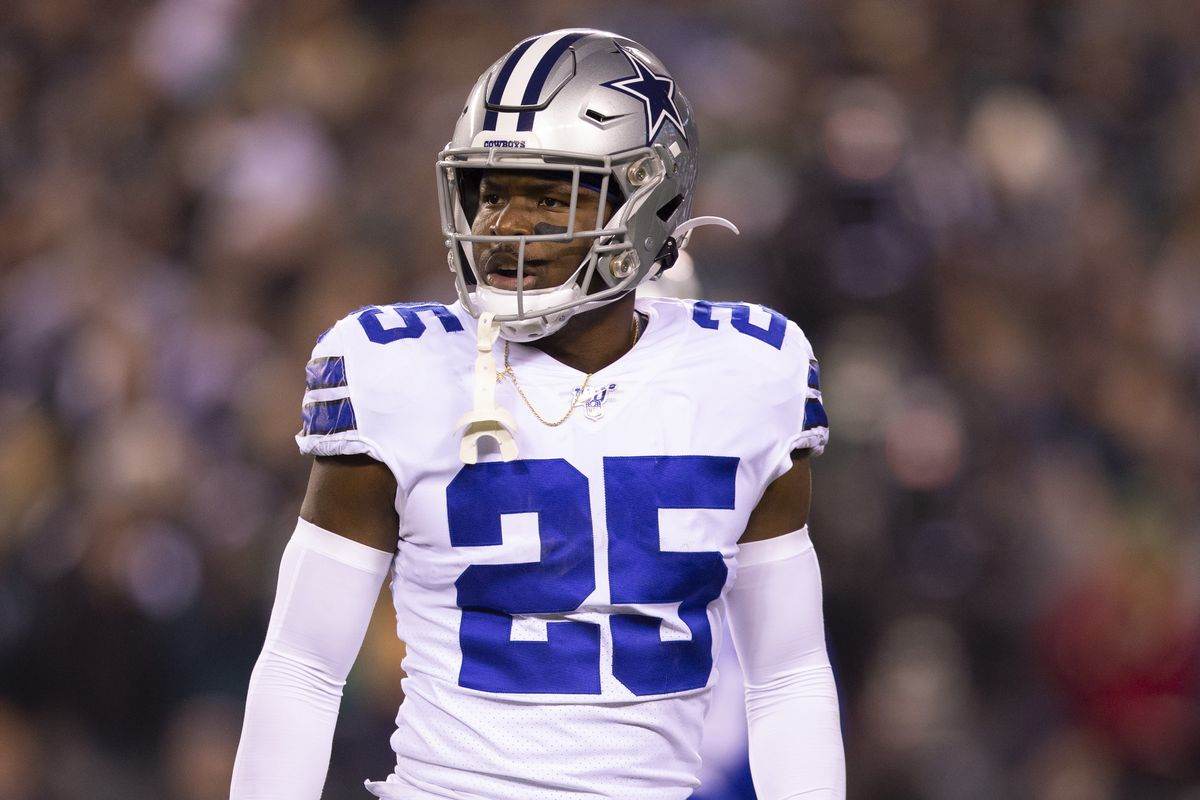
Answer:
(500, 272)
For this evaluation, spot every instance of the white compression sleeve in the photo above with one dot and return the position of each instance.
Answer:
(328, 586)
(791, 699)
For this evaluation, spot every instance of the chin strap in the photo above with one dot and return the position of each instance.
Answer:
(683, 232)
(487, 420)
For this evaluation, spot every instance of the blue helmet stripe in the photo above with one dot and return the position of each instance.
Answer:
(489, 119)
(537, 80)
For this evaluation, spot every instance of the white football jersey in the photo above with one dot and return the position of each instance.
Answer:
(559, 610)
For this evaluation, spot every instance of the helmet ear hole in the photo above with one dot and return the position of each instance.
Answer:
(668, 208)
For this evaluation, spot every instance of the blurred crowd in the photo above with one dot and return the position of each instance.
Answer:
(985, 214)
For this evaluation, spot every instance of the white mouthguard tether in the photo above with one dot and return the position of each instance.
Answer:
(683, 231)
(487, 420)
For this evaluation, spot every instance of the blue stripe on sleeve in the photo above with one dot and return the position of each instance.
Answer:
(325, 373)
(327, 416)
(814, 414)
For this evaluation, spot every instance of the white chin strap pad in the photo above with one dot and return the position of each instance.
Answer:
(503, 303)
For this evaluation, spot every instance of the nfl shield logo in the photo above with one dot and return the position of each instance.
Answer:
(593, 406)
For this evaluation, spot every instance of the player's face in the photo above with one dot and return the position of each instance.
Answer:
(523, 203)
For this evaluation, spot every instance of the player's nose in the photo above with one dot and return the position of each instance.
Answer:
(513, 220)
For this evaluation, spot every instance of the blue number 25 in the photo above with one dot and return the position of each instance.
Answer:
(640, 572)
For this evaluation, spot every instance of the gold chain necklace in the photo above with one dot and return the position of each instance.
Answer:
(508, 370)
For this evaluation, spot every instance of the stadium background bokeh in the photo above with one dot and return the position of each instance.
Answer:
(985, 214)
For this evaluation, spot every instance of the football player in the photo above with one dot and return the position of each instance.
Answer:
(573, 489)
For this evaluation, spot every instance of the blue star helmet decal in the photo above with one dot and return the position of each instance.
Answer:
(657, 93)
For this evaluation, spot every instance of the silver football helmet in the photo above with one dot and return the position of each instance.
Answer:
(602, 111)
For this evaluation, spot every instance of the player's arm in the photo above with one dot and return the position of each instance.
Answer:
(779, 633)
(355, 497)
(329, 580)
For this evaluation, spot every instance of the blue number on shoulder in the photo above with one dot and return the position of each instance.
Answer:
(639, 572)
(740, 319)
(568, 661)
(413, 326)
